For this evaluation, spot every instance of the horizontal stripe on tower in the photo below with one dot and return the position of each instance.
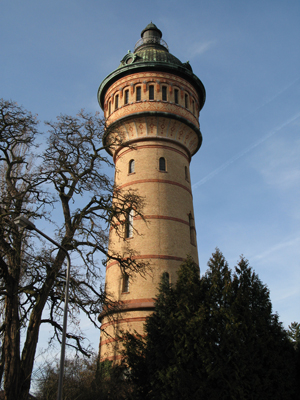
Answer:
(108, 341)
(153, 181)
(145, 217)
(111, 358)
(147, 257)
(127, 305)
(182, 221)
(123, 321)
(155, 146)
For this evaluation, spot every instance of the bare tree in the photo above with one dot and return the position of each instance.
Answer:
(68, 177)
(85, 379)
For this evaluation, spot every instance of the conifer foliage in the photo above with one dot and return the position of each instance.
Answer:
(213, 337)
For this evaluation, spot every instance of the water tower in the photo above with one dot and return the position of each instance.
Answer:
(151, 103)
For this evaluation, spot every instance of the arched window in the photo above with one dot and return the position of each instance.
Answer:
(125, 283)
(126, 97)
(162, 164)
(176, 91)
(166, 277)
(129, 224)
(186, 103)
(151, 92)
(109, 108)
(164, 93)
(186, 172)
(117, 101)
(192, 229)
(138, 93)
(131, 167)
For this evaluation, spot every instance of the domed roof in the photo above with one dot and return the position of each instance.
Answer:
(151, 48)
(152, 53)
(151, 26)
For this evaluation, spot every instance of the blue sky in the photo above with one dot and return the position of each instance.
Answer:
(246, 176)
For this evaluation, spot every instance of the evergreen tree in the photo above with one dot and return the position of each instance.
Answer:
(294, 334)
(213, 337)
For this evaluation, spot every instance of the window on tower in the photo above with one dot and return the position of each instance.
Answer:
(186, 102)
(129, 224)
(126, 98)
(186, 172)
(162, 164)
(192, 230)
(176, 92)
(164, 93)
(117, 101)
(131, 167)
(109, 108)
(151, 92)
(138, 93)
(166, 277)
(125, 283)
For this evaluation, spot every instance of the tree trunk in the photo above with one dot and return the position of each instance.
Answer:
(12, 342)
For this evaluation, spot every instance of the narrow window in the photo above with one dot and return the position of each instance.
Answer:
(166, 277)
(125, 283)
(151, 92)
(131, 167)
(192, 229)
(176, 96)
(193, 107)
(162, 164)
(109, 108)
(164, 93)
(129, 224)
(116, 101)
(138, 93)
(186, 172)
(186, 101)
(126, 98)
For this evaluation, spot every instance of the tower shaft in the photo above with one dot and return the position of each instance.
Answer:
(151, 104)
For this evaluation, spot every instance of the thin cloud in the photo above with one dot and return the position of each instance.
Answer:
(279, 246)
(279, 165)
(200, 48)
(268, 101)
(243, 152)
(277, 94)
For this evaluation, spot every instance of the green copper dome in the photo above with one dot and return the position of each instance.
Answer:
(152, 27)
(151, 48)
(151, 53)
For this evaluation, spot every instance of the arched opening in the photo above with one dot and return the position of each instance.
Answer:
(162, 164)
(176, 96)
(138, 93)
(129, 224)
(186, 173)
(125, 283)
(126, 97)
(131, 167)
(151, 92)
(192, 230)
(166, 277)
(164, 93)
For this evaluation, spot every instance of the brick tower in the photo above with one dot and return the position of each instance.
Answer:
(151, 103)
